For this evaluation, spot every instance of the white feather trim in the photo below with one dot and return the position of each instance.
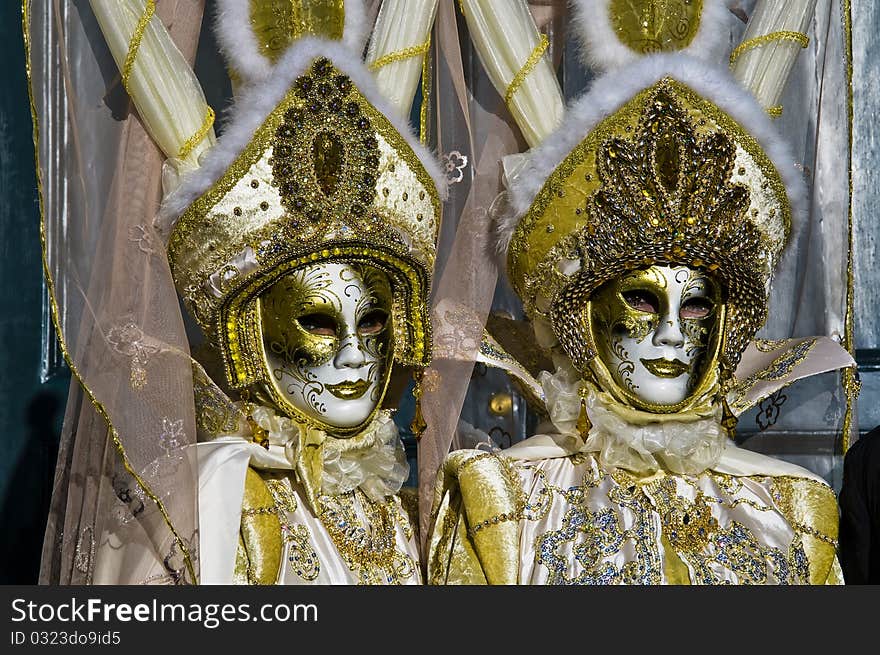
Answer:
(242, 51)
(258, 100)
(603, 51)
(609, 92)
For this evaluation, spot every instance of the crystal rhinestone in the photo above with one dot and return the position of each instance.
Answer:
(321, 67)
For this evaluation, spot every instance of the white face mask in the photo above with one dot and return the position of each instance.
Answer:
(327, 337)
(652, 328)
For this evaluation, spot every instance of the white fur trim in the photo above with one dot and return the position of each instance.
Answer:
(603, 51)
(242, 51)
(258, 100)
(611, 91)
(355, 30)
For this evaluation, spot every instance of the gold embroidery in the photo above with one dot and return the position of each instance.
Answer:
(689, 525)
(278, 23)
(778, 369)
(303, 557)
(653, 513)
(367, 543)
(659, 26)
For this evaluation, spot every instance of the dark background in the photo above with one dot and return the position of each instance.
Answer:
(31, 412)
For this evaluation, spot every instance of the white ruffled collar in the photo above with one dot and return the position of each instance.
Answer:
(373, 460)
(622, 437)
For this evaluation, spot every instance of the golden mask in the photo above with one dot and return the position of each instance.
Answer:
(327, 337)
(657, 334)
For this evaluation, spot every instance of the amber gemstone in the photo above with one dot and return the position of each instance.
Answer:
(328, 157)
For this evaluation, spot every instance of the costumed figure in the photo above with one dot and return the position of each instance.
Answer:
(302, 244)
(642, 236)
(304, 249)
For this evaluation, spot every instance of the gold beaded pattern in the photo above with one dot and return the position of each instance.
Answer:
(326, 177)
(667, 179)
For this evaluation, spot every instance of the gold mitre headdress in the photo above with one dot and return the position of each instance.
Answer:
(312, 168)
(667, 161)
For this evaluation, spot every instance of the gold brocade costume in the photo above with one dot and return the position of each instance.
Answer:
(351, 539)
(664, 178)
(313, 173)
(566, 520)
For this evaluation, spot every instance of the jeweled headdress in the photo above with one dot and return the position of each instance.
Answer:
(312, 169)
(667, 161)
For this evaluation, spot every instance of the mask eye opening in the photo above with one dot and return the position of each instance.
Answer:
(641, 300)
(696, 308)
(318, 324)
(373, 322)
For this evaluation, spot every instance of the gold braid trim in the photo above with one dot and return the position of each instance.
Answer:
(135, 42)
(764, 39)
(400, 55)
(775, 111)
(851, 383)
(495, 520)
(199, 136)
(527, 67)
(426, 92)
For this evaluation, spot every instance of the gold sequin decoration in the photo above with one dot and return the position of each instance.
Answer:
(278, 23)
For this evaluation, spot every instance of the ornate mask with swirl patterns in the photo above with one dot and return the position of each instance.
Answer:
(328, 342)
(656, 332)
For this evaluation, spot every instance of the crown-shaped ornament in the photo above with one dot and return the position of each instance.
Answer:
(667, 178)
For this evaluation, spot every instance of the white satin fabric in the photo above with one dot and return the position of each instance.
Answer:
(588, 520)
(586, 526)
(164, 88)
(223, 464)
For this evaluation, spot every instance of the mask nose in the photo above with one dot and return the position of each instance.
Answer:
(668, 333)
(350, 354)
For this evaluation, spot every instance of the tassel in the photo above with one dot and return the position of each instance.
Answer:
(728, 420)
(583, 423)
(418, 425)
(260, 436)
